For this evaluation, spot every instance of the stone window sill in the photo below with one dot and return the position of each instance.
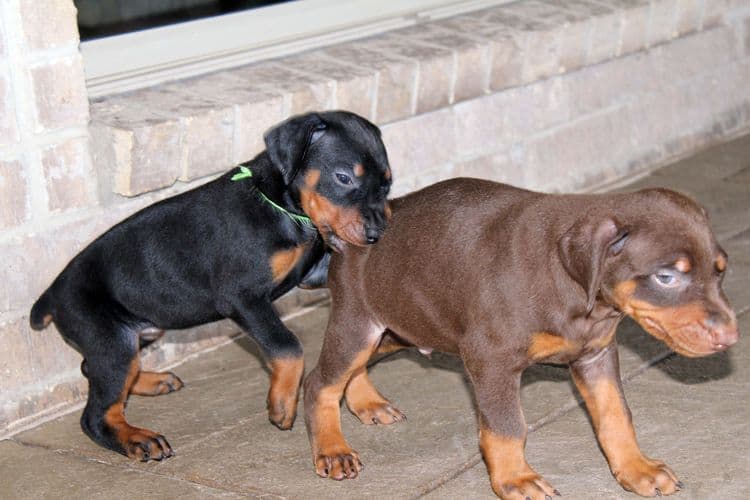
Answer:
(177, 132)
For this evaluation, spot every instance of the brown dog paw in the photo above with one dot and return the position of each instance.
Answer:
(378, 413)
(144, 445)
(156, 384)
(647, 477)
(338, 464)
(281, 402)
(280, 416)
(524, 487)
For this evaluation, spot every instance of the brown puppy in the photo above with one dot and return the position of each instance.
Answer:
(507, 278)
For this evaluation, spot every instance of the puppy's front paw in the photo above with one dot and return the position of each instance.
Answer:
(527, 486)
(145, 445)
(282, 413)
(647, 477)
(378, 412)
(338, 463)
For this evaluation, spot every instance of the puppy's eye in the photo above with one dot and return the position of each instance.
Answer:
(666, 279)
(343, 179)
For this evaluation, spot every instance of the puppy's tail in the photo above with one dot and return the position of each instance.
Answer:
(41, 312)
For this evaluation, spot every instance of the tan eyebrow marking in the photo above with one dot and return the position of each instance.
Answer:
(721, 263)
(359, 170)
(683, 265)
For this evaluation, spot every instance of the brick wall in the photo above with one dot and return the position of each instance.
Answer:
(547, 94)
(46, 180)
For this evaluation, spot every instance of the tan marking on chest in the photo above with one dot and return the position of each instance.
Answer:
(544, 345)
(284, 261)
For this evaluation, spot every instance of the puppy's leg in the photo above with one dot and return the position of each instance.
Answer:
(502, 434)
(156, 384)
(111, 376)
(365, 401)
(283, 354)
(346, 349)
(597, 377)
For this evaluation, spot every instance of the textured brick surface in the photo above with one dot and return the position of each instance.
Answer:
(306, 92)
(662, 26)
(688, 16)
(69, 174)
(634, 20)
(396, 77)
(506, 54)
(133, 150)
(436, 71)
(472, 57)
(49, 23)
(59, 93)
(13, 193)
(8, 125)
(355, 85)
(17, 356)
(252, 120)
(417, 146)
(713, 12)
(206, 128)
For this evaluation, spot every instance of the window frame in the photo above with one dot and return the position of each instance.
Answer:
(134, 60)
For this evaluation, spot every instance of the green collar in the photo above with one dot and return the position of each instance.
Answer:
(300, 220)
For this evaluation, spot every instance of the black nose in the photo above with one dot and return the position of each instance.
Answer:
(372, 235)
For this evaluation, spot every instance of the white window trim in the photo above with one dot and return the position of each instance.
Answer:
(134, 60)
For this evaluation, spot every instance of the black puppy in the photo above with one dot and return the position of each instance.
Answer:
(226, 249)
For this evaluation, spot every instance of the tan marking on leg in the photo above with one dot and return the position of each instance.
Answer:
(155, 384)
(544, 345)
(510, 474)
(46, 320)
(614, 429)
(369, 406)
(284, 261)
(387, 174)
(332, 455)
(139, 444)
(286, 375)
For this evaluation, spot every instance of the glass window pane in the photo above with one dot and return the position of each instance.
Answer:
(101, 18)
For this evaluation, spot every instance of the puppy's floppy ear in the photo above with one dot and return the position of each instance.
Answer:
(584, 248)
(287, 143)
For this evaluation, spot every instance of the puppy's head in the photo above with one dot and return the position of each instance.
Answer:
(336, 168)
(656, 259)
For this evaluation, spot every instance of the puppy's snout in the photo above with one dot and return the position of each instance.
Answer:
(724, 336)
(372, 234)
(723, 329)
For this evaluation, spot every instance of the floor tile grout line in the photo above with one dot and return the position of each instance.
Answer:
(127, 467)
(534, 426)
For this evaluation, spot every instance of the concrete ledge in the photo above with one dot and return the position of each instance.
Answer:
(150, 138)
